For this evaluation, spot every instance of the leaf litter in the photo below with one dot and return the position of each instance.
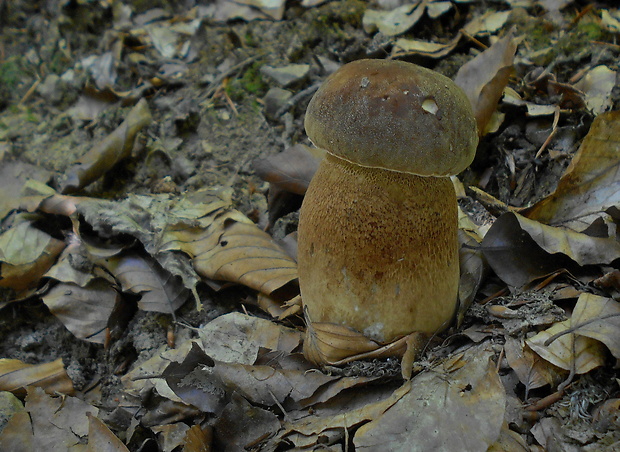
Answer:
(528, 364)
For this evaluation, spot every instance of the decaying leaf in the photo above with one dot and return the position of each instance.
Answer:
(101, 438)
(16, 375)
(141, 275)
(85, 311)
(598, 318)
(597, 85)
(568, 351)
(344, 412)
(16, 434)
(147, 375)
(463, 411)
(232, 248)
(258, 426)
(483, 25)
(238, 338)
(58, 422)
(591, 184)
(14, 175)
(114, 148)
(531, 369)
(520, 250)
(396, 21)
(26, 253)
(473, 267)
(290, 170)
(198, 439)
(484, 78)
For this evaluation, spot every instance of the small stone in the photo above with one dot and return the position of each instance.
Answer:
(274, 100)
(286, 75)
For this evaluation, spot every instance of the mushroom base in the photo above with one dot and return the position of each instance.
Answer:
(378, 250)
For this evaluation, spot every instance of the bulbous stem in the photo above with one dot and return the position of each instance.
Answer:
(377, 250)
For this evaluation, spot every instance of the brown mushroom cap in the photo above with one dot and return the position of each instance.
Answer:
(396, 116)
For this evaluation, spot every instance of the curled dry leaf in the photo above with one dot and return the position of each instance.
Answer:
(591, 183)
(52, 377)
(463, 410)
(520, 250)
(234, 249)
(26, 253)
(85, 311)
(484, 78)
(114, 148)
(142, 275)
(531, 369)
(597, 84)
(396, 21)
(473, 268)
(568, 351)
(290, 170)
(344, 413)
(333, 344)
(598, 318)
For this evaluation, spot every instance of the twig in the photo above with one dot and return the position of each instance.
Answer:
(214, 85)
(554, 128)
(296, 98)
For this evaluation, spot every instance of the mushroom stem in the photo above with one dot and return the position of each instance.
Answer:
(378, 250)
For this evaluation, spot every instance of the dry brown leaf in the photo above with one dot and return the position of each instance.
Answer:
(568, 351)
(329, 343)
(598, 318)
(484, 78)
(346, 411)
(234, 249)
(111, 150)
(237, 338)
(591, 183)
(198, 439)
(290, 170)
(509, 441)
(101, 438)
(520, 250)
(404, 47)
(144, 377)
(16, 375)
(257, 425)
(171, 436)
(14, 176)
(85, 311)
(396, 21)
(266, 386)
(26, 253)
(16, 435)
(58, 423)
(469, 403)
(597, 85)
(581, 248)
(473, 267)
(531, 369)
(141, 275)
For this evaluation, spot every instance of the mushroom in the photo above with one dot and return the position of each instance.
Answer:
(377, 237)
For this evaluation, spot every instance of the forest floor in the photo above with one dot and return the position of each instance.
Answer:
(132, 133)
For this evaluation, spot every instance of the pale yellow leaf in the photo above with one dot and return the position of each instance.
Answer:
(568, 351)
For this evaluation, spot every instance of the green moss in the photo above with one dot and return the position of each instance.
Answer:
(10, 73)
(250, 82)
